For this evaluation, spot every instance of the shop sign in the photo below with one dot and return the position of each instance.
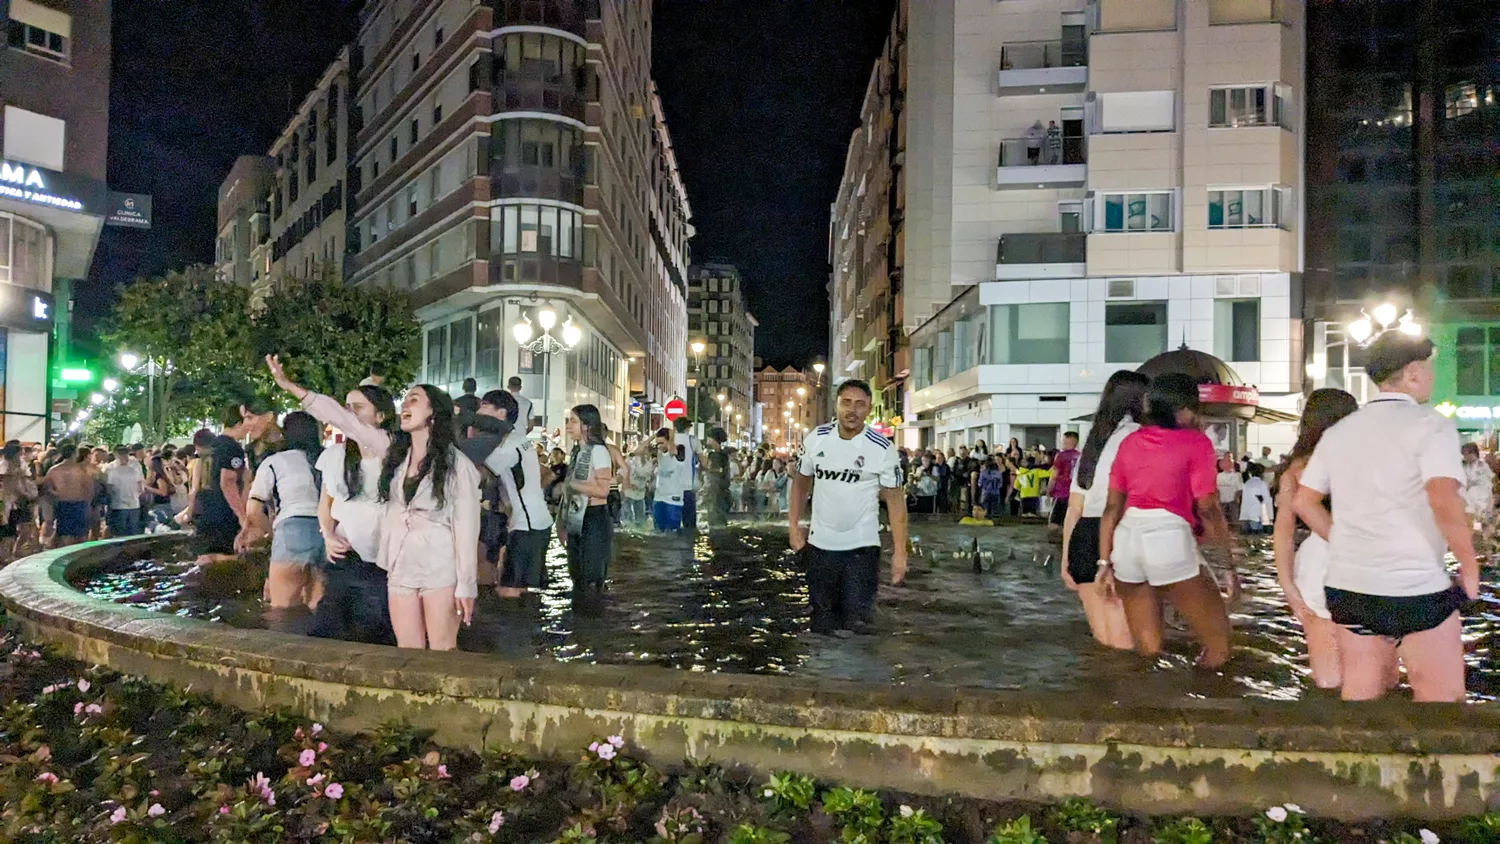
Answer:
(1227, 394)
(40, 186)
(129, 210)
(1468, 411)
(25, 309)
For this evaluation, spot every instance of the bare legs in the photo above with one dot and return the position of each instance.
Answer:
(1434, 661)
(1106, 615)
(287, 585)
(1199, 602)
(424, 620)
(1322, 650)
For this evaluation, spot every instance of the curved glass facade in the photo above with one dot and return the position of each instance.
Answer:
(540, 158)
(539, 72)
(536, 243)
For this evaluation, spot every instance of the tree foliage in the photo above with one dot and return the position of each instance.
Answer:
(206, 343)
(333, 334)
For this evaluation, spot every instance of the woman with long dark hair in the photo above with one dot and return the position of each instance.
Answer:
(588, 530)
(1120, 405)
(288, 483)
(1162, 485)
(350, 515)
(429, 543)
(1300, 568)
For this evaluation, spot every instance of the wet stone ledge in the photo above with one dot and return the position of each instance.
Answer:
(1205, 756)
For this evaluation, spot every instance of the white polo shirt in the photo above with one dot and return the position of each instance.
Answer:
(1375, 464)
(847, 478)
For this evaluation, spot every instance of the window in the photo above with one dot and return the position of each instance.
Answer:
(35, 39)
(411, 201)
(1135, 332)
(416, 61)
(437, 113)
(1137, 212)
(1247, 208)
(487, 330)
(1254, 105)
(1029, 333)
(531, 229)
(1136, 111)
(393, 149)
(437, 355)
(412, 132)
(437, 37)
(1460, 99)
(460, 349)
(1237, 329)
(1478, 360)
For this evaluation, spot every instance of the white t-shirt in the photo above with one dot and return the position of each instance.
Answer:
(523, 412)
(1256, 505)
(125, 483)
(284, 482)
(528, 506)
(359, 518)
(642, 469)
(1375, 464)
(689, 442)
(1230, 483)
(847, 478)
(673, 478)
(1097, 496)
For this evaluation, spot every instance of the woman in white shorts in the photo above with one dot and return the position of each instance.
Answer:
(1300, 568)
(429, 544)
(1162, 485)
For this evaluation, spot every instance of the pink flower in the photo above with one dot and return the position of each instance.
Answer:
(606, 751)
(156, 810)
(617, 741)
(497, 820)
(519, 783)
(93, 709)
(47, 690)
(77, 708)
(593, 747)
(317, 780)
(83, 685)
(334, 791)
(223, 810)
(47, 777)
(117, 815)
(317, 728)
(322, 746)
(155, 793)
(307, 757)
(442, 772)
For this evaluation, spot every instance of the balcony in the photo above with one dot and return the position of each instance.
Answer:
(1043, 67)
(567, 15)
(1052, 167)
(1221, 12)
(1026, 255)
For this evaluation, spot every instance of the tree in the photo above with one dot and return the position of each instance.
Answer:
(192, 328)
(333, 334)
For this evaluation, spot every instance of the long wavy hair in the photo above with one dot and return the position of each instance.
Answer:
(384, 404)
(1324, 407)
(593, 431)
(437, 462)
(1124, 395)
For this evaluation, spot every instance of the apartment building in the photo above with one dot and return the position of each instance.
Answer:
(1402, 198)
(1103, 181)
(792, 403)
(513, 162)
(717, 317)
(244, 219)
(54, 104)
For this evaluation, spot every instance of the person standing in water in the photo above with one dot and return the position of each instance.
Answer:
(587, 526)
(1393, 469)
(849, 470)
(288, 485)
(429, 542)
(514, 462)
(219, 507)
(1121, 403)
(1163, 483)
(1301, 568)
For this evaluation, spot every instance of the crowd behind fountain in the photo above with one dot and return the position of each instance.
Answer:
(385, 519)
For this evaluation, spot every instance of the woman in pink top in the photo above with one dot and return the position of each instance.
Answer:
(429, 544)
(1163, 484)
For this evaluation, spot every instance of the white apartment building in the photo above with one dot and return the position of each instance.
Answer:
(1122, 178)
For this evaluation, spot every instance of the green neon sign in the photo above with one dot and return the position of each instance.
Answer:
(76, 376)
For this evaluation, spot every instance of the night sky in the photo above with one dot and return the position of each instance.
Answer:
(760, 95)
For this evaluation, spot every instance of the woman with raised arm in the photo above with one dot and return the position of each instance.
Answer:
(1300, 568)
(429, 544)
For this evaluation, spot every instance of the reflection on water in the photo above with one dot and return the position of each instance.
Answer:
(734, 600)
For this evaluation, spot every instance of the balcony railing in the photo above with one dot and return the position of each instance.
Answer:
(1042, 248)
(1014, 152)
(1032, 55)
(1244, 11)
(567, 15)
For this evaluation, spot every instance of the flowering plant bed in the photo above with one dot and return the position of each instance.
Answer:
(90, 755)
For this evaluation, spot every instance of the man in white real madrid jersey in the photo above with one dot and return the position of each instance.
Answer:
(854, 469)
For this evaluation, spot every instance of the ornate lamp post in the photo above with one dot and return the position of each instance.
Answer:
(546, 345)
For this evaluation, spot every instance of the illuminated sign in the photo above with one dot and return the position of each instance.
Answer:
(25, 309)
(1226, 394)
(40, 186)
(1468, 411)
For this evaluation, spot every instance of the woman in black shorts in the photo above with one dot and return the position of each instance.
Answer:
(1120, 405)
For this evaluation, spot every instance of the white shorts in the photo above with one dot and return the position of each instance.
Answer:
(1155, 547)
(1309, 570)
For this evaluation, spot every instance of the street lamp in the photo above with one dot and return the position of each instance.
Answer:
(110, 385)
(129, 360)
(697, 347)
(96, 399)
(1360, 333)
(546, 345)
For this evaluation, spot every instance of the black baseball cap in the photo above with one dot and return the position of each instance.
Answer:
(1392, 352)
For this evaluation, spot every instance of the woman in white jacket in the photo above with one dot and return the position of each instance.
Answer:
(430, 540)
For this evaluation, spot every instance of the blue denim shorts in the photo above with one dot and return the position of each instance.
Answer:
(297, 539)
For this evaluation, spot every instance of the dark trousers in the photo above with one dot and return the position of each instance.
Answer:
(841, 587)
(355, 606)
(690, 510)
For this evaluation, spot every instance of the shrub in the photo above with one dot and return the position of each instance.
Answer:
(1018, 831)
(1183, 831)
(1078, 815)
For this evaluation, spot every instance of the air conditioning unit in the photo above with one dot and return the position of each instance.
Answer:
(1121, 288)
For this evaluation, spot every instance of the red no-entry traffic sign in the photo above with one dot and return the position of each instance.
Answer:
(674, 409)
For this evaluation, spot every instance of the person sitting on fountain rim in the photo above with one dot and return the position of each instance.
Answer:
(850, 470)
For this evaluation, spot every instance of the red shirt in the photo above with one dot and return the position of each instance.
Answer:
(1165, 469)
(1062, 473)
